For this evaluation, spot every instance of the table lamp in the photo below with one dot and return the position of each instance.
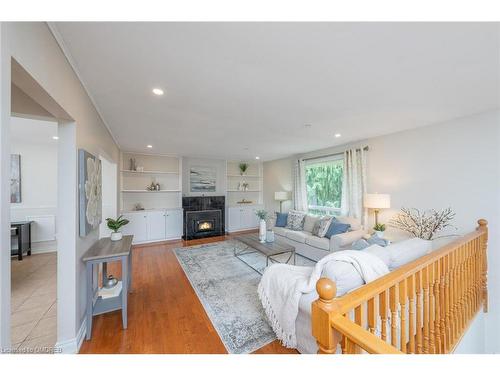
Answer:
(281, 196)
(376, 202)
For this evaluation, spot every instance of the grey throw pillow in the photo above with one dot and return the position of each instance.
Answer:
(321, 226)
(295, 220)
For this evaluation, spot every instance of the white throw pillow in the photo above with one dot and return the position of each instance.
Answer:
(309, 222)
(321, 226)
(344, 276)
(407, 251)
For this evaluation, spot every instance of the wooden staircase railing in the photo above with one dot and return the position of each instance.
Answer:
(423, 307)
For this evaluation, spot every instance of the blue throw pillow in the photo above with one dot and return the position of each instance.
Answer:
(374, 240)
(360, 244)
(336, 227)
(281, 219)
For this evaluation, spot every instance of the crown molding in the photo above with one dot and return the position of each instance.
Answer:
(62, 45)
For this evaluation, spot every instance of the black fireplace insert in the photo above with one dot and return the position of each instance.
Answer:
(203, 216)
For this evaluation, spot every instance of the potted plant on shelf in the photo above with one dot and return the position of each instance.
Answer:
(262, 215)
(243, 168)
(115, 225)
(379, 230)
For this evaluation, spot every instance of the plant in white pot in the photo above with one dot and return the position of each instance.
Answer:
(379, 230)
(115, 225)
(262, 215)
(243, 168)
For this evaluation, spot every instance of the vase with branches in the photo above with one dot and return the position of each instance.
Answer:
(423, 224)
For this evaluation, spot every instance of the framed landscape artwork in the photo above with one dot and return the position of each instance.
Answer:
(15, 178)
(90, 192)
(202, 179)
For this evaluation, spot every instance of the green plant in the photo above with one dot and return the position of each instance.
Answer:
(243, 167)
(261, 214)
(379, 227)
(116, 224)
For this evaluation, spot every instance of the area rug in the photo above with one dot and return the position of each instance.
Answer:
(227, 289)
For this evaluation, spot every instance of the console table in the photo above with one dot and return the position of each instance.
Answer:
(20, 232)
(102, 252)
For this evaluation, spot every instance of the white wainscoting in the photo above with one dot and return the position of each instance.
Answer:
(43, 230)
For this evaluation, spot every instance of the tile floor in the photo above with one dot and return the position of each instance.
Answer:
(34, 302)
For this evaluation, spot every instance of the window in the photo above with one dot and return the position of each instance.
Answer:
(324, 185)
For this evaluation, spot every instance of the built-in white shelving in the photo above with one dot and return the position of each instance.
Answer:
(162, 169)
(150, 191)
(252, 178)
(243, 176)
(148, 172)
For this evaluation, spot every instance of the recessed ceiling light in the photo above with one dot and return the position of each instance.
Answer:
(158, 91)
(257, 157)
(55, 137)
(338, 135)
(149, 146)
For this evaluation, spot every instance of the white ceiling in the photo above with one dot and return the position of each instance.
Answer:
(231, 86)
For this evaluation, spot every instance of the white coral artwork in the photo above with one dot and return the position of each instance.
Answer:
(93, 192)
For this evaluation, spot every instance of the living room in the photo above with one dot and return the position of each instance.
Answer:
(263, 187)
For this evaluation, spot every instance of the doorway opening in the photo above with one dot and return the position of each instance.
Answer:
(33, 210)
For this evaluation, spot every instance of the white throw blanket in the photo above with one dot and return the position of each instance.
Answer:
(282, 285)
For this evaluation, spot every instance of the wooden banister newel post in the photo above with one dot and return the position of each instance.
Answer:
(322, 310)
(483, 226)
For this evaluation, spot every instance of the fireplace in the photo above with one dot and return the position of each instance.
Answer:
(205, 225)
(203, 217)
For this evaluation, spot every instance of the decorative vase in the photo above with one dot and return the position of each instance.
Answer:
(379, 233)
(269, 236)
(116, 236)
(262, 231)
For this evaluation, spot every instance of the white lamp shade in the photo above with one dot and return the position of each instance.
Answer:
(377, 201)
(282, 196)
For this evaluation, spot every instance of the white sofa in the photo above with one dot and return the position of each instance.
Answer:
(394, 256)
(314, 247)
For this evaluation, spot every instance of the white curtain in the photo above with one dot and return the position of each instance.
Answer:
(354, 184)
(299, 186)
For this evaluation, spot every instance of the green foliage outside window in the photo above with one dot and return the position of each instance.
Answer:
(324, 184)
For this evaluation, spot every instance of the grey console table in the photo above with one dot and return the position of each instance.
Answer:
(102, 252)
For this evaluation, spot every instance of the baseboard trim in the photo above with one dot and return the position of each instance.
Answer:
(72, 346)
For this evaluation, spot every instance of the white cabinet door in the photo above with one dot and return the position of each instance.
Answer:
(138, 226)
(156, 225)
(254, 221)
(247, 220)
(234, 219)
(173, 224)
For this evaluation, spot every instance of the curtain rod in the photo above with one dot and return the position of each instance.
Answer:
(366, 148)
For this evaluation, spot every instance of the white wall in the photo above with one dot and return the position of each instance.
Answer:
(219, 165)
(454, 164)
(278, 176)
(109, 195)
(38, 179)
(33, 46)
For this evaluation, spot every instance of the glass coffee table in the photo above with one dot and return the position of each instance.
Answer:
(271, 250)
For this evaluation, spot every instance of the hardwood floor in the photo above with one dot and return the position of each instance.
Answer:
(164, 314)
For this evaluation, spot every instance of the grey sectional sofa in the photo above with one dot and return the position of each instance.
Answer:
(315, 248)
